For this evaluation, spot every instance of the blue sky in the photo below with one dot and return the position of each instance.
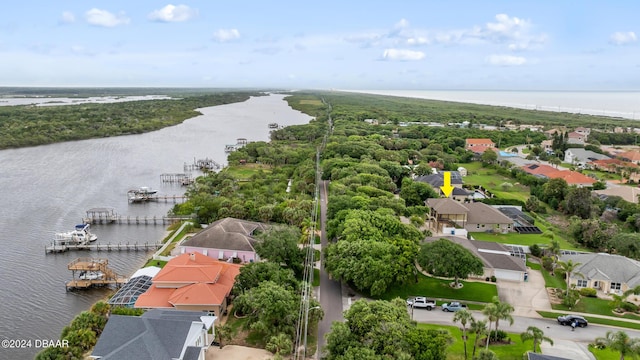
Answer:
(506, 45)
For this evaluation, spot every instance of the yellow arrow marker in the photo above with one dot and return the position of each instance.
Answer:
(446, 187)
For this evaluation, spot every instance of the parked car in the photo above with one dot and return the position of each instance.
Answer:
(453, 306)
(569, 319)
(421, 302)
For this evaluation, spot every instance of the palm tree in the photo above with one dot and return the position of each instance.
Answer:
(620, 342)
(478, 327)
(491, 312)
(568, 268)
(535, 334)
(463, 316)
(503, 312)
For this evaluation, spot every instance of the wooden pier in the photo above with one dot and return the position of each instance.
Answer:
(89, 272)
(202, 165)
(109, 216)
(165, 198)
(57, 248)
(180, 178)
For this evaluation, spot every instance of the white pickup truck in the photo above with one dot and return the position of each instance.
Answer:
(421, 302)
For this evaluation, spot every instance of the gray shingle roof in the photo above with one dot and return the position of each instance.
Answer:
(437, 180)
(480, 213)
(156, 335)
(490, 260)
(600, 266)
(228, 234)
(536, 356)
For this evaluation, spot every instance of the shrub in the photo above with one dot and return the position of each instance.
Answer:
(588, 292)
(535, 250)
(629, 307)
(547, 263)
(500, 335)
(493, 278)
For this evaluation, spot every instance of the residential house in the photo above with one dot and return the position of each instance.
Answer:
(609, 274)
(580, 157)
(156, 335)
(549, 172)
(627, 193)
(479, 146)
(137, 285)
(496, 258)
(474, 217)
(547, 145)
(630, 156)
(437, 180)
(191, 281)
(226, 238)
(583, 131)
(551, 132)
(576, 138)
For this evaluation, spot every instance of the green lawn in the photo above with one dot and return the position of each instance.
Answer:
(595, 306)
(455, 351)
(489, 179)
(604, 354)
(316, 277)
(596, 320)
(244, 172)
(552, 281)
(437, 288)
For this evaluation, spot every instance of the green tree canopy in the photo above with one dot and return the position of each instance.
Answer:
(280, 245)
(445, 258)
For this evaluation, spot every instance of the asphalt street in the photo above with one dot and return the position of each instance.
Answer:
(550, 327)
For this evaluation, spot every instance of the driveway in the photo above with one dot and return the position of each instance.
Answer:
(525, 297)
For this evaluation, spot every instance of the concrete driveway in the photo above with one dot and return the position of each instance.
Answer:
(525, 297)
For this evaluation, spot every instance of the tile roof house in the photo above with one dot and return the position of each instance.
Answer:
(576, 138)
(485, 143)
(581, 157)
(630, 156)
(156, 335)
(226, 238)
(474, 217)
(549, 172)
(604, 272)
(496, 258)
(191, 281)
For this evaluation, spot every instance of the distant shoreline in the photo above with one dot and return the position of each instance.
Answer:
(621, 104)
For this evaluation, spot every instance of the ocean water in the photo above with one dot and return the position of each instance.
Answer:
(623, 104)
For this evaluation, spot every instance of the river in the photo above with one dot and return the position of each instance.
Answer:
(48, 189)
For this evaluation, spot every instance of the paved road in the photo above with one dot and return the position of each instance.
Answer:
(330, 290)
(550, 327)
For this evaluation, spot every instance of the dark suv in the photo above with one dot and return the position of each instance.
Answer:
(568, 319)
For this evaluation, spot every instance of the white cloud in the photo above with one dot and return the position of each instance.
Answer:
(224, 35)
(67, 17)
(403, 23)
(418, 40)
(623, 38)
(173, 13)
(402, 55)
(104, 18)
(506, 60)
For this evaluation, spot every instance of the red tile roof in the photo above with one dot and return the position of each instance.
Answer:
(479, 149)
(190, 279)
(571, 177)
(470, 142)
(632, 155)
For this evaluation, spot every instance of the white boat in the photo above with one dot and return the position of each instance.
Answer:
(90, 275)
(80, 236)
(143, 193)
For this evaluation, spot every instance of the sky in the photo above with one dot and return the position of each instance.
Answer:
(373, 44)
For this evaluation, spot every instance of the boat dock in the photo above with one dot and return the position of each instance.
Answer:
(103, 275)
(203, 165)
(57, 248)
(180, 178)
(240, 143)
(109, 216)
(165, 198)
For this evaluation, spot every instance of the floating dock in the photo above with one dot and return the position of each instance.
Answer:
(103, 274)
(56, 248)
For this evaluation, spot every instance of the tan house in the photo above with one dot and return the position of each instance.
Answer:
(473, 217)
(609, 274)
(630, 156)
(475, 143)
